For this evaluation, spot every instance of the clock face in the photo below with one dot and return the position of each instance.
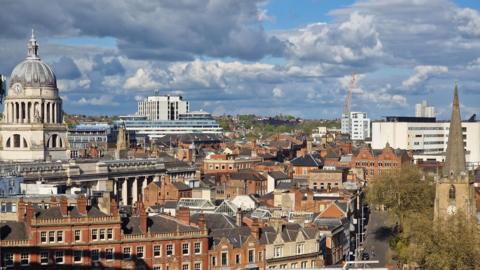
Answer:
(451, 210)
(17, 89)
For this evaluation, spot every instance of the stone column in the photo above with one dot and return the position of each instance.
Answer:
(45, 112)
(135, 190)
(125, 191)
(144, 185)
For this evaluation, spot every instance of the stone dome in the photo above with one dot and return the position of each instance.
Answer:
(32, 72)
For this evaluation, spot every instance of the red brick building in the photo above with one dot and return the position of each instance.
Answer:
(159, 192)
(83, 237)
(243, 182)
(378, 162)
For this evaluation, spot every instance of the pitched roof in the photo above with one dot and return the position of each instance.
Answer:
(247, 174)
(308, 160)
(215, 221)
(181, 186)
(236, 236)
(13, 230)
(157, 224)
(277, 175)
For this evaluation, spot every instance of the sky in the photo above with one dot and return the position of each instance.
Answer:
(253, 56)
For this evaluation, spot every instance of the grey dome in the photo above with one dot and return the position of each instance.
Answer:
(32, 72)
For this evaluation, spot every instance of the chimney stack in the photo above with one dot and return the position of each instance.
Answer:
(82, 204)
(201, 221)
(183, 215)
(143, 218)
(21, 210)
(53, 201)
(239, 217)
(29, 214)
(255, 229)
(113, 208)
(63, 205)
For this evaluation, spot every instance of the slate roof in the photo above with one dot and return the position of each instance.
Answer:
(181, 186)
(236, 236)
(289, 233)
(54, 212)
(13, 230)
(308, 160)
(247, 175)
(157, 224)
(277, 175)
(215, 221)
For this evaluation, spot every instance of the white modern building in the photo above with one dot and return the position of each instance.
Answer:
(423, 110)
(162, 107)
(357, 125)
(32, 127)
(426, 137)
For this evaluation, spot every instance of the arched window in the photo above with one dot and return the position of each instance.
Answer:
(16, 140)
(9, 143)
(451, 192)
(25, 145)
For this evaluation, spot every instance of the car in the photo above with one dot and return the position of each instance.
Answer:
(365, 256)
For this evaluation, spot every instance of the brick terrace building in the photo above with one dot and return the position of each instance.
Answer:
(159, 192)
(83, 237)
(243, 182)
(222, 163)
(377, 162)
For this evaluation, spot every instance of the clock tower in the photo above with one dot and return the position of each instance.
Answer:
(32, 127)
(454, 190)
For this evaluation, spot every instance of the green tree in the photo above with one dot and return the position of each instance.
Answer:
(402, 192)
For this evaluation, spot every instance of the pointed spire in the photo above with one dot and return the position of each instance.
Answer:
(33, 47)
(455, 158)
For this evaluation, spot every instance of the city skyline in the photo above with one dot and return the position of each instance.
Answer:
(262, 57)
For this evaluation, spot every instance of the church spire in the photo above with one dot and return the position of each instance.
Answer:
(455, 158)
(33, 47)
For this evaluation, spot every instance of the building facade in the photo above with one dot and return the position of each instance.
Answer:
(163, 107)
(425, 137)
(32, 127)
(357, 125)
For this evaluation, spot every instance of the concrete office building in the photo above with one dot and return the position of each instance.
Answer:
(426, 137)
(162, 107)
(357, 125)
(423, 110)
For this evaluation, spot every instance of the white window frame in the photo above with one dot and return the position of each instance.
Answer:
(112, 253)
(56, 257)
(81, 256)
(159, 247)
(98, 255)
(22, 258)
(129, 253)
(42, 257)
(199, 244)
(142, 249)
(188, 249)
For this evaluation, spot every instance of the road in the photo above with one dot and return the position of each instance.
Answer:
(378, 233)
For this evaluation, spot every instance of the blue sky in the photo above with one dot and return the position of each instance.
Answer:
(254, 56)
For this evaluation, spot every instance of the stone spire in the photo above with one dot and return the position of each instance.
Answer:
(455, 158)
(33, 47)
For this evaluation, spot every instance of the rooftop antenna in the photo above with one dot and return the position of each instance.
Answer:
(348, 102)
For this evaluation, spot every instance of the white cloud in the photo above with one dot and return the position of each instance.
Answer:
(142, 80)
(422, 73)
(100, 101)
(277, 92)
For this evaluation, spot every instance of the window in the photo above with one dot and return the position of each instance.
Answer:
(51, 237)
(157, 267)
(109, 234)
(260, 256)
(94, 234)
(77, 235)
(140, 252)
(77, 256)
(126, 253)
(214, 261)
(43, 237)
(251, 255)
(451, 193)
(95, 255)
(24, 258)
(196, 246)
(294, 265)
(197, 266)
(277, 252)
(169, 249)
(303, 264)
(185, 266)
(44, 257)
(185, 248)
(224, 258)
(109, 253)
(8, 259)
(157, 251)
(300, 248)
(237, 258)
(16, 140)
(102, 234)
(59, 257)
(60, 236)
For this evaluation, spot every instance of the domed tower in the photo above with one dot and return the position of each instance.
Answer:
(32, 127)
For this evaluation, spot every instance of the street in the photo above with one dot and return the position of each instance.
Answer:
(376, 243)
